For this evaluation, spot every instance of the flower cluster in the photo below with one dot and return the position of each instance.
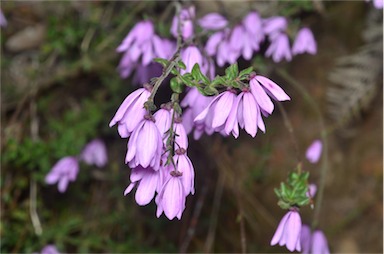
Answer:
(245, 39)
(226, 44)
(295, 236)
(229, 110)
(140, 46)
(67, 168)
(151, 140)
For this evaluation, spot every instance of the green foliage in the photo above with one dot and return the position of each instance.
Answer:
(294, 191)
(67, 135)
(294, 7)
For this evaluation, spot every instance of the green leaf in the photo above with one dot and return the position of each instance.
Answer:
(232, 71)
(181, 65)
(196, 73)
(187, 81)
(245, 72)
(175, 72)
(176, 85)
(209, 90)
(162, 61)
(218, 81)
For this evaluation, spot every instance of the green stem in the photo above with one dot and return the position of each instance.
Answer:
(323, 133)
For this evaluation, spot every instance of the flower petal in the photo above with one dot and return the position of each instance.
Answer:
(275, 91)
(250, 114)
(222, 109)
(261, 96)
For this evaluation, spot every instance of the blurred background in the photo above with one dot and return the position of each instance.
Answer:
(60, 88)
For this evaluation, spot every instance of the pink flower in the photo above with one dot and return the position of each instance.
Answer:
(313, 243)
(319, 243)
(187, 15)
(289, 231)
(312, 189)
(181, 139)
(254, 27)
(139, 42)
(213, 21)
(314, 151)
(218, 110)
(305, 239)
(184, 165)
(149, 182)
(50, 249)
(213, 42)
(145, 145)
(275, 25)
(3, 20)
(131, 112)
(190, 56)
(63, 172)
(171, 199)
(304, 42)
(163, 119)
(279, 48)
(95, 153)
(140, 46)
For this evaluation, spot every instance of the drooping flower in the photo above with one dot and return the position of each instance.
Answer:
(163, 119)
(3, 20)
(214, 41)
(171, 199)
(140, 46)
(312, 189)
(218, 110)
(304, 42)
(63, 172)
(148, 181)
(139, 42)
(313, 243)
(131, 112)
(181, 139)
(279, 48)
(184, 165)
(95, 153)
(305, 239)
(190, 56)
(319, 243)
(213, 21)
(145, 145)
(254, 27)
(289, 231)
(274, 25)
(314, 151)
(50, 249)
(187, 15)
